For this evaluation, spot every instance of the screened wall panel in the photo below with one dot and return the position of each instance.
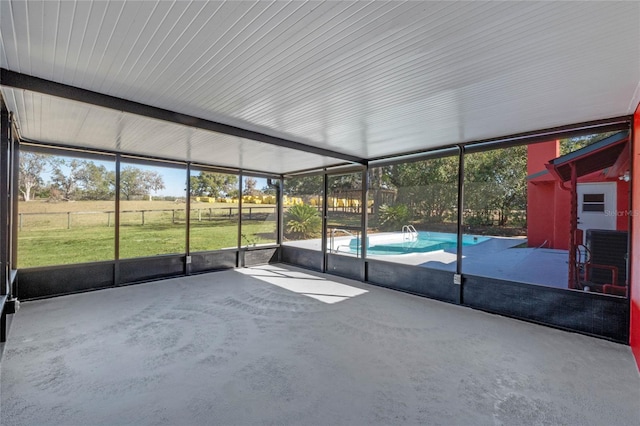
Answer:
(345, 213)
(66, 210)
(303, 199)
(259, 211)
(214, 211)
(152, 209)
(413, 213)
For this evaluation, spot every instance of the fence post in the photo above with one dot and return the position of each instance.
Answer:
(249, 213)
(68, 220)
(142, 217)
(199, 216)
(173, 216)
(210, 214)
(229, 212)
(20, 221)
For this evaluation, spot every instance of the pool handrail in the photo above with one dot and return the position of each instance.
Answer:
(410, 231)
(332, 239)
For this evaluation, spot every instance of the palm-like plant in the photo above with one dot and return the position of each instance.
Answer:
(392, 218)
(303, 221)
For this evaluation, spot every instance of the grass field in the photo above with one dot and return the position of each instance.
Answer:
(83, 231)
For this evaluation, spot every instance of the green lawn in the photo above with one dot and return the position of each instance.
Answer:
(43, 247)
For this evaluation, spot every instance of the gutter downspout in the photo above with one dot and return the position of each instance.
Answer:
(573, 228)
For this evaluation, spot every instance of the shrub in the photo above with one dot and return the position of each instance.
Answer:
(393, 218)
(303, 221)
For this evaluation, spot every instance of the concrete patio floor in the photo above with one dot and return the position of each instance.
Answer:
(281, 345)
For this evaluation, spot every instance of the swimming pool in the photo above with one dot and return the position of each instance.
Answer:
(423, 242)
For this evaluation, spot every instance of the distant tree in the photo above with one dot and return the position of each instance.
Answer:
(77, 179)
(307, 188)
(495, 185)
(250, 187)
(377, 183)
(210, 184)
(306, 185)
(428, 188)
(568, 145)
(32, 166)
(345, 183)
(64, 177)
(51, 193)
(137, 182)
(235, 193)
(96, 181)
(496, 181)
(269, 190)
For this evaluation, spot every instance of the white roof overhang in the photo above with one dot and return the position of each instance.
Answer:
(318, 83)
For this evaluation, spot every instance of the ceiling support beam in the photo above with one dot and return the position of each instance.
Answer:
(22, 81)
(613, 124)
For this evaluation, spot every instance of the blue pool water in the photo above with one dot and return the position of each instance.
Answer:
(424, 242)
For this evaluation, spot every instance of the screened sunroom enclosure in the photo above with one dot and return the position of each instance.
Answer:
(449, 224)
(479, 154)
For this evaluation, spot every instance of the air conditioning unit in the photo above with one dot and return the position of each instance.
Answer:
(608, 248)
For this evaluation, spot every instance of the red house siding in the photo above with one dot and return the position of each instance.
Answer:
(562, 219)
(539, 154)
(542, 196)
(634, 331)
(540, 211)
(622, 195)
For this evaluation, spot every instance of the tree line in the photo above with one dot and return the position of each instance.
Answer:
(427, 191)
(222, 185)
(73, 179)
(495, 183)
(495, 187)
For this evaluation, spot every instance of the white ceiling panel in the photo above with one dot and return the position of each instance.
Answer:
(51, 120)
(368, 79)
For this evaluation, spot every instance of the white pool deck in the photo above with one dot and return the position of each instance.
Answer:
(495, 258)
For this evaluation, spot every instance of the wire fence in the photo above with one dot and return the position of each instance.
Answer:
(87, 219)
